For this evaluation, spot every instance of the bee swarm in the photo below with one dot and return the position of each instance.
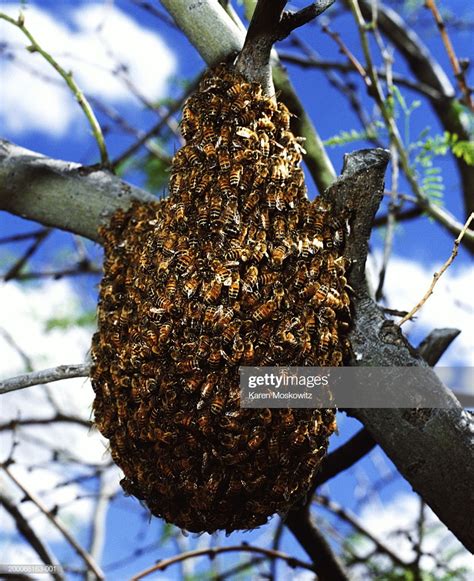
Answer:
(236, 267)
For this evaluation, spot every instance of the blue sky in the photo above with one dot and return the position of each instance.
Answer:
(164, 56)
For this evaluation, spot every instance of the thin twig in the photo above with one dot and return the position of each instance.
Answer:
(44, 376)
(437, 275)
(14, 271)
(213, 551)
(28, 533)
(371, 78)
(58, 417)
(453, 59)
(71, 83)
(88, 560)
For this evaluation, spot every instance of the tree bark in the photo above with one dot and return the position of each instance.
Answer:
(61, 194)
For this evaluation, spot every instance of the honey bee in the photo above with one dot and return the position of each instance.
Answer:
(256, 438)
(324, 341)
(208, 132)
(336, 358)
(224, 159)
(215, 207)
(250, 278)
(215, 355)
(246, 133)
(234, 287)
(284, 116)
(233, 459)
(249, 353)
(204, 424)
(184, 419)
(310, 322)
(225, 134)
(203, 183)
(278, 293)
(191, 285)
(208, 386)
(164, 437)
(185, 262)
(279, 227)
(171, 285)
(203, 346)
(298, 437)
(326, 315)
(265, 416)
(213, 292)
(229, 423)
(192, 384)
(238, 348)
(304, 247)
(235, 486)
(235, 174)
(209, 149)
(230, 331)
(217, 404)
(265, 311)
(210, 315)
(230, 441)
(264, 219)
(265, 123)
(278, 255)
(265, 144)
(223, 272)
(168, 401)
(188, 366)
(280, 488)
(250, 202)
(287, 418)
(318, 224)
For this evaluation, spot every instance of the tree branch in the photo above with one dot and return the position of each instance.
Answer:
(432, 448)
(44, 376)
(61, 194)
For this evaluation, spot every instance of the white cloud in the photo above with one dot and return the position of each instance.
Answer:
(450, 305)
(91, 40)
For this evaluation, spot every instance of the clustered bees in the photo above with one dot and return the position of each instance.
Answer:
(236, 267)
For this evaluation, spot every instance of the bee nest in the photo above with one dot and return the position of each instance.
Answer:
(236, 267)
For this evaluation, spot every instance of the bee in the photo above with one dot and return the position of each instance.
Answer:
(230, 331)
(278, 293)
(168, 400)
(278, 255)
(265, 311)
(192, 384)
(257, 437)
(191, 285)
(235, 174)
(264, 219)
(215, 207)
(213, 484)
(203, 183)
(229, 423)
(208, 386)
(224, 136)
(250, 278)
(234, 286)
(217, 404)
(284, 116)
(315, 267)
(223, 272)
(230, 441)
(320, 293)
(213, 292)
(171, 285)
(184, 419)
(209, 149)
(324, 341)
(326, 315)
(204, 425)
(235, 485)
(279, 227)
(246, 133)
(164, 437)
(224, 159)
(185, 262)
(233, 459)
(310, 322)
(265, 144)
(188, 366)
(210, 315)
(238, 348)
(319, 224)
(124, 315)
(215, 355)
(304, 247)
(250, 202)
(298, 437)
(265, 416)
(265, 123)
(280, 488)
(249, 353)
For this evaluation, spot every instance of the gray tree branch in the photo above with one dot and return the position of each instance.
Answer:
(432, 448)
(60, 194)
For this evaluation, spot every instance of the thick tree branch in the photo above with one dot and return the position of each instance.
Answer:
(60, 194)
(432, 448)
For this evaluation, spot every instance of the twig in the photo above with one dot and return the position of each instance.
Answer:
(353, 520)
(44, 376)
(98, 524)
(59, 417)
(453, 59)
(89, 561)
(371, 78)
(71, 83)
(213, 551)
(21, 237)
(437, 275)
(27, 362)
(25, 529)
(20, 263)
